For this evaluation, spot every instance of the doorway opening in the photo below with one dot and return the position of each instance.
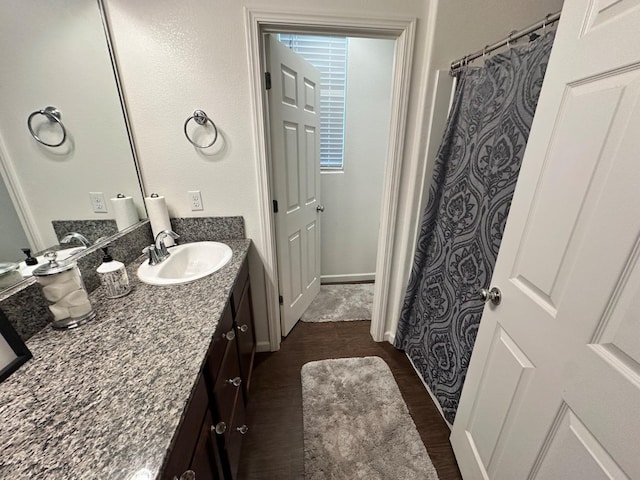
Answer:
(261, 24)
(329, 108)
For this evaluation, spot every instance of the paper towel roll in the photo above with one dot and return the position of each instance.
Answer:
(158, 216)
(125, 211)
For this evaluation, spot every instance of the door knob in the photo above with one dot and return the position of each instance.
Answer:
(494, 295)
(320, 208)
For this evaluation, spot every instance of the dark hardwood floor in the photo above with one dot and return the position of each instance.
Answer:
(273, 449)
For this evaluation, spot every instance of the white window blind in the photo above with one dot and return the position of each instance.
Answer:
(329, 55)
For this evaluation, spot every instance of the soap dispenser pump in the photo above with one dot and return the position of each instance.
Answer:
(29, 260)
(113, 276)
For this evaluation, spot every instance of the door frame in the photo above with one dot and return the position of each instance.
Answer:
(402, 30)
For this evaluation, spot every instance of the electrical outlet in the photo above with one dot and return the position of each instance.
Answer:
(98, 202)
(195, 199)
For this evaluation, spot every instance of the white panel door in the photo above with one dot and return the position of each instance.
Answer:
(553, 388)
(295, 152)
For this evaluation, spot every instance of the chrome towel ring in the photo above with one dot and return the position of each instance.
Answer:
(53, 115)
(201, 118)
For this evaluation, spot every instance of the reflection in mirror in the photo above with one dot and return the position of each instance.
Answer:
(57, 54)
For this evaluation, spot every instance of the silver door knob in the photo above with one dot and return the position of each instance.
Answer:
(494, 295)
(320, 208)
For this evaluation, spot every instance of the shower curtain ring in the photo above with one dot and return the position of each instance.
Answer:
(509, 38)
(484, 51)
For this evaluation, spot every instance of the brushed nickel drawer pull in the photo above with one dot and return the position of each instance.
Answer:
(243, 429)
(243, 328)
(236, 382)
(230, 335)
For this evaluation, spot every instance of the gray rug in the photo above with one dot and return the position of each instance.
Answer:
(356, 424)
(340, 303)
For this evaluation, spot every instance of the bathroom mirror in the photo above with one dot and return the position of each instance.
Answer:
(58, 54)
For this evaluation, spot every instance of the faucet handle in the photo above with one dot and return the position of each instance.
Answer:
(152, 254)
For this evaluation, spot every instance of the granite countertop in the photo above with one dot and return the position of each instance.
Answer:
(104, 400)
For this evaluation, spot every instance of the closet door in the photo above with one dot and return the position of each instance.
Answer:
(553, 386)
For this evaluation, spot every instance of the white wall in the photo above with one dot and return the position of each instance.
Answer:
(55, 53)
(352, 197)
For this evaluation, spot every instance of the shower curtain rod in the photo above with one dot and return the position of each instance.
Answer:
(513, 37)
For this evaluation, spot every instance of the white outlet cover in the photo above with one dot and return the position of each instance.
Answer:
(98, 202)
(195, 200)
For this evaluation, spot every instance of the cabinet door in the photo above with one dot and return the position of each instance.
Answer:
(185, 441)
(234, 443)
(246, 338)
(206, 461)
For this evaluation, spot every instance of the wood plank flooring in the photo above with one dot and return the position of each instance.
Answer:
(273, 448)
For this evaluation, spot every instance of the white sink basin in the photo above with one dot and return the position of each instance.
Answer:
(186, 263)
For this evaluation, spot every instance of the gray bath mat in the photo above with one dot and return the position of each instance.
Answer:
(356, 424)
(340, 303)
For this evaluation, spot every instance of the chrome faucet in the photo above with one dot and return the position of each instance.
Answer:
(77, 236)
(158, 252)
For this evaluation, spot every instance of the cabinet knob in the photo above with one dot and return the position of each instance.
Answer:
(242, 429)
(230, 335)
(243, 328)
(236, 382)
(219, 428)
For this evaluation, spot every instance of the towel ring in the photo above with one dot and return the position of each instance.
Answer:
(53, 115)
(201, 118)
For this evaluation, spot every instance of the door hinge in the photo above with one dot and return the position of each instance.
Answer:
(280, 299)
(267, 80)
(275, 206)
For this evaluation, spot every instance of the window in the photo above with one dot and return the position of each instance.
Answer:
(329, 55)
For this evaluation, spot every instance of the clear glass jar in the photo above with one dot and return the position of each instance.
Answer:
(64, 289)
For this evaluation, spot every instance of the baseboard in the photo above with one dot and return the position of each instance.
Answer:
(264, 346)
(433, 397)
(350, 277)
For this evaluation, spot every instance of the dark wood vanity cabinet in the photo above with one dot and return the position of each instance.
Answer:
(209, 440)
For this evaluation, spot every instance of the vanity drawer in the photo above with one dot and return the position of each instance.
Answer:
(226, 392)
(246, 339)
(238, 288)
(224, 338)
(236, 432)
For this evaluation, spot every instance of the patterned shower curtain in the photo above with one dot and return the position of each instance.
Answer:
(474, 177)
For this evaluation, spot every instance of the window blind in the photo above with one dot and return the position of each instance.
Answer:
(329, 55)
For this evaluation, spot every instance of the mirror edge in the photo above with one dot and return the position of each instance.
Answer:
(123, 104)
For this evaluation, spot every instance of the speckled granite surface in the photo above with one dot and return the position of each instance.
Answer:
(26, 308)
(197, 229)
(103, 401)
(92, 229)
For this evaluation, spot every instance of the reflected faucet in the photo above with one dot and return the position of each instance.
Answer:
(77, 236)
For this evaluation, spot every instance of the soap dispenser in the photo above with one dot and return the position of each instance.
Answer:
(113, 276)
